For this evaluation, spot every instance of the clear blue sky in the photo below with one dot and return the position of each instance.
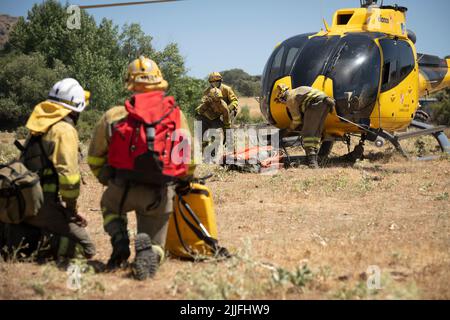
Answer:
(219, 35)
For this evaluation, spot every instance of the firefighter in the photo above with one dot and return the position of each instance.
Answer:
(52, 151)
(309, 108)
(211, 110)
(153, 203)
(208, 114)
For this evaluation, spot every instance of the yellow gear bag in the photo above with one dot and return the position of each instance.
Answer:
(192, 230)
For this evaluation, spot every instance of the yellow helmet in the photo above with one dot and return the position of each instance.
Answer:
(215, 94)
(280, 93)
(144, 75)
(215, 76)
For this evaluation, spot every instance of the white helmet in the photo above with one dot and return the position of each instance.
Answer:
(69, 93)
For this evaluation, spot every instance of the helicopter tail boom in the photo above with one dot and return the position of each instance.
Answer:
(434, 74)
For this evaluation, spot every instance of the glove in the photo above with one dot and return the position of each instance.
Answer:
(72, 215)
(233, 112)
(79, 220)
(330, 103)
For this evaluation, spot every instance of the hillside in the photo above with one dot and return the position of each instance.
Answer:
(6, 24)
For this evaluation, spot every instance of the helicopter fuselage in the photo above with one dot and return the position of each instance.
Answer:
(366, 62)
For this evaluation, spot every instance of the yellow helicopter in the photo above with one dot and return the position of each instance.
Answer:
(367, 61)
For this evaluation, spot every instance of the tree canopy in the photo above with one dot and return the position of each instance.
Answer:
(42, 49)
(242, 82)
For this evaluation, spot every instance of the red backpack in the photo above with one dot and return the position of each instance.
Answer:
(147, 146)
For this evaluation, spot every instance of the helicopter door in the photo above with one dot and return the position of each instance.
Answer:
(399, 96)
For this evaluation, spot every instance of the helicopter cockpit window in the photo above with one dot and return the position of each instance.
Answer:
(355, 69)
(312, 59)
(398, 62)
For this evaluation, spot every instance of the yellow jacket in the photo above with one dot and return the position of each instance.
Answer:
(214, 109)
(228, 94)
(60, 141)
(99, 146)
(298, 100)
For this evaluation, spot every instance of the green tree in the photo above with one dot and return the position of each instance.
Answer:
(96, 55)
(188, 92)
(441, 109)
(242, 82)
(25, 80)
(91, 53)
(134, 42)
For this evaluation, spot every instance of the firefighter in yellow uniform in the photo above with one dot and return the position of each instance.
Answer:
(52, 151)
(211, 110)
(153, 205)
(227, 95)
(308, 108)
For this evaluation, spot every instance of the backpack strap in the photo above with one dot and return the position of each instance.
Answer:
(47, 161)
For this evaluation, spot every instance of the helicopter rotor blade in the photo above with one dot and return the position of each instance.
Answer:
(121, 4)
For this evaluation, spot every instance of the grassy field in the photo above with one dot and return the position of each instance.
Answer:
(296, 234)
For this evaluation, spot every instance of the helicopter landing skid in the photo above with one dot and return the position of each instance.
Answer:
(424, 130)
(394, 139)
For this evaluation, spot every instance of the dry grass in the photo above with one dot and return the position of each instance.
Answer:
(298, 234)
(252, 104)
(7, 149)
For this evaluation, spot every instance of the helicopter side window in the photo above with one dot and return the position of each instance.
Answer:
(276, 65)
(292, 54)
(269, 74)
(282, 60)
(406, 59)
(398, 62)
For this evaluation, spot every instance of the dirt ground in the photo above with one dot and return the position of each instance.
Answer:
(296, 234)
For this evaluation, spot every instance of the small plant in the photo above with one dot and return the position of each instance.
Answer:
(442, 196)
(299, 277)
(21, 133)
(304, 185)
(38, 288)
(365, 184)
(340, 183)
(359, 291)
(244, 116)
(420, 147)
(8, 152)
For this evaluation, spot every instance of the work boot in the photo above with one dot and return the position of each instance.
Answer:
(311, 157)
(121, 251)
(146, 262)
